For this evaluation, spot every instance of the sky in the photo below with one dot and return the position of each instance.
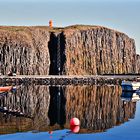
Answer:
(121, 15)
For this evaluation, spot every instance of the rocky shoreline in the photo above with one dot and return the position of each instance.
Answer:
(66, 80)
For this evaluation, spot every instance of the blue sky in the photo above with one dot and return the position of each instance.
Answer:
(121, 15)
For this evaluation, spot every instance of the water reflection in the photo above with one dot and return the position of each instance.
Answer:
(44, 108)
(98, 107)
(57, 112)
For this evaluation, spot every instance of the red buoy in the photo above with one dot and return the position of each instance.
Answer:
(74, 121)
(50, 132)
(75, 128)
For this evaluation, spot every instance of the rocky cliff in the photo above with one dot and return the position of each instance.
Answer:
(138, 63)
(98, 50)
(30, 102)
(71, 50)
(24, 50)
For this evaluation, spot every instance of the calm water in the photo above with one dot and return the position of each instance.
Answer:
(43, 112)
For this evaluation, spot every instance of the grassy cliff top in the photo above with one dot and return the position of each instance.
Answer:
(54, 29)
(77, 27)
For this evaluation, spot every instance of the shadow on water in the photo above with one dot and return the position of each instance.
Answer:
(57, 111)
(47, 108)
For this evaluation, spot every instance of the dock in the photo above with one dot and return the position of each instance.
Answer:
(66, 79)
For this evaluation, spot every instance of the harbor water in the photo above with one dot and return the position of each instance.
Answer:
(33, 112)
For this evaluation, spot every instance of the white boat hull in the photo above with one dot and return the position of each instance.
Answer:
(130, 86)
(130, 96)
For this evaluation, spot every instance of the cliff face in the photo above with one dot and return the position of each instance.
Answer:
(24, 51)
(99, 50)
(138, 63)
(83, 50)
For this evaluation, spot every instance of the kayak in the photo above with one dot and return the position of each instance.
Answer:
(6, 89)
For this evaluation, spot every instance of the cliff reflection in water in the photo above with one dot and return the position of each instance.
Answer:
(98, 107)
(57, 113)
(44, 108)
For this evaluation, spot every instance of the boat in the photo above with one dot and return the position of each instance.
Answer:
(130, 86)
(130, 96)
(6, 89)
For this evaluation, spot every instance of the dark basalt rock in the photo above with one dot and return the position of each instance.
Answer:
(85, 50)
(24, 52)
(138, 63)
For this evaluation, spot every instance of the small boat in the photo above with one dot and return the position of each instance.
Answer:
(130, 86)
(130, 96)
(6, 89)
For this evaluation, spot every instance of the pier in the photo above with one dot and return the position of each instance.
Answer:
(66, 79)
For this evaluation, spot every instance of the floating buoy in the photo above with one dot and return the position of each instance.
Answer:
(74, 121)
(50, 132)
(75, 125)
(75, 128)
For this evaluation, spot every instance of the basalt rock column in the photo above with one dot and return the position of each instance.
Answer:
(24, 51)
(138, 64)
(98, 50)
(84, 50)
